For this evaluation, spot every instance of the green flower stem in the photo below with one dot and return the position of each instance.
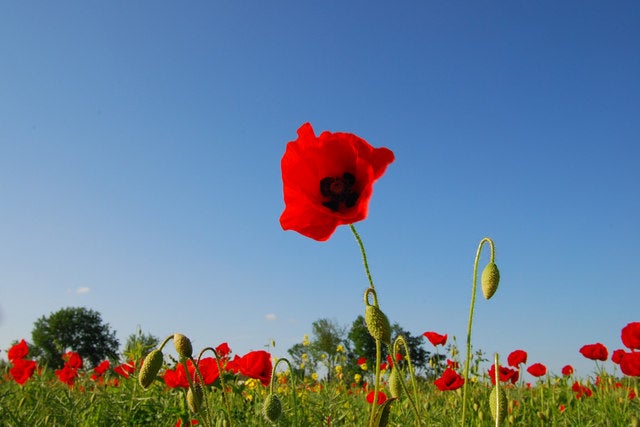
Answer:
(293, 387)
(374, 404)
(364, 255)
(222, 384)
(473, 302)
(496, 370)
(412, 400)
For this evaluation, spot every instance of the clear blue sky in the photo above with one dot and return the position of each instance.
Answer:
(140, 147)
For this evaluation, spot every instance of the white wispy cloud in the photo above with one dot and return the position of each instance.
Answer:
(270, 316)
(83, 290)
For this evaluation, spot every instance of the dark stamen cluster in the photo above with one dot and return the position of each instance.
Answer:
(339, 190)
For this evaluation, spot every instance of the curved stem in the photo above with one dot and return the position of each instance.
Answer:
(293, 386)
(412, 400)
(473, 302)
(496, 368)
(374, 403)
(364, 255)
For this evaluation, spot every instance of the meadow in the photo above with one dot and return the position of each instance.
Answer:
(113, 394)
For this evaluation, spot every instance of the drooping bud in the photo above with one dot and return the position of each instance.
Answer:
(272, 408)
(376, 321)
(150, 368)
(395, 382)
(195, 395)
(489, 280)
(498, 404)
(183, 345)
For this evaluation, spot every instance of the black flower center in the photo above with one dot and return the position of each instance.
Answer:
(339, 190)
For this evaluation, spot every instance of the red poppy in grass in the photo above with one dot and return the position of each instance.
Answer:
(449, 380)
(391, 360)
(361, 361)
(67, 374)
(595, 351)
(630, 364)
(72, 359)
(208, 368)
(223, 350)
(125, 369)
(381, 397)
(517, 357)
(435, 338)
(581, 390)
(505, 374)
(177, 377)
(22, 370)
(537, 369)
(18, 351)
(567, 370)
(616, 356)
(101, 368)
(192, 422)
(631, 335)
(328, 181)
(255, 364)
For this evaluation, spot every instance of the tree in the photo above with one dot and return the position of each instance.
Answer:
(365, 346)
(139, 344)
(74, 329)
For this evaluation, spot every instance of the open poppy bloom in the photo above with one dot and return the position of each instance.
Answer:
(505, 374)
(449, 380)
(22, 370)
(517, 357)
(567, 370)
(435, 338)
(328, 181)
(18, 351)
(537, 369)
(255, 364)
(630, 364)
(631, 335)
(381, 397)
(595, 351)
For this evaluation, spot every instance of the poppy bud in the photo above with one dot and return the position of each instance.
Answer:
(150, 368)
(498, 404)
(395, 383)
(490, 279)
(377, 324)
(195, 395)
(183, 345)
(272, 408)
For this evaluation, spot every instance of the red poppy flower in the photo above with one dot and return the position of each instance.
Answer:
(18, 351)
(391, 360)
(595, 351)
(101, 368)
(22, 370)
(630, 364)
(537, 369)
(255, 364)
(192, 422)
(381, 397)
(72, 359)
(567, 370)
(223, 350)
(361, 361)
(517, 357)
(631, 335)
(328, 181)
(435, 338)
(67, 374)
(449, 380)
(581, 390)
(505, 374)
(177, 377)
(125, 369)
(208, 368)
(617, 355)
